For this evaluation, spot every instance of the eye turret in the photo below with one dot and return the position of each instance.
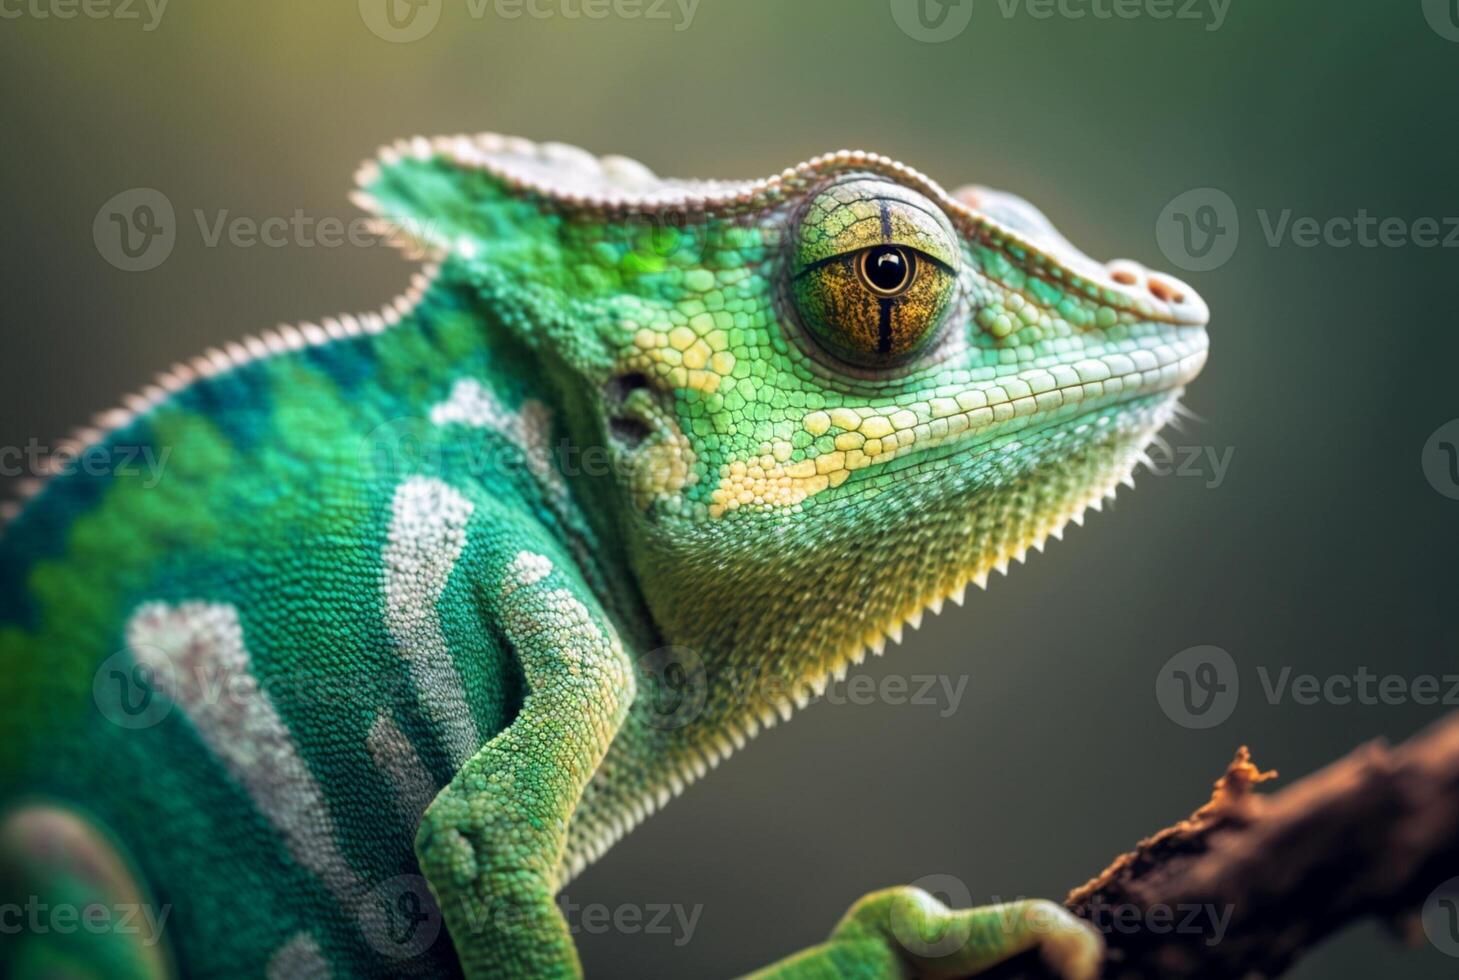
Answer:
(873, 271)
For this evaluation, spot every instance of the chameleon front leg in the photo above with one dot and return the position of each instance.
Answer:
(491, 844)
(905, 932)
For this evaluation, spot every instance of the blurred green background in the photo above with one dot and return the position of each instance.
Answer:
(1322, 548)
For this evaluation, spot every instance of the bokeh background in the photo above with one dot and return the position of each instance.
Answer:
(1322, 546)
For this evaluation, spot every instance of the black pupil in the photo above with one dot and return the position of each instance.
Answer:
(888, 268)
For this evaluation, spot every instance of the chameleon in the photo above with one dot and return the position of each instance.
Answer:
(430, 607)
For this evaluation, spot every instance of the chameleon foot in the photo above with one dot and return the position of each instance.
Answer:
(491, 843)
(905, 932)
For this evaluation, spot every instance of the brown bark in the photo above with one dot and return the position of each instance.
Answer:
(1372, 834)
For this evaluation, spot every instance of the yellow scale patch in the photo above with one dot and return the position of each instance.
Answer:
(866, 436)
(694, 356)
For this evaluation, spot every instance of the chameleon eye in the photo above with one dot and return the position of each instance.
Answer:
(874, 271)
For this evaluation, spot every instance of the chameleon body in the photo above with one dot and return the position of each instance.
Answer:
(459, 593)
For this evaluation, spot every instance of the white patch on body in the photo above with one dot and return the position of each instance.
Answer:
(529, 429)
(427, 535)
(298, 959)
(397, 758)
(525, 569)
(200, 646)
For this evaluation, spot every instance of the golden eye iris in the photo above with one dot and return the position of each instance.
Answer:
(873, 272)
(877, 306)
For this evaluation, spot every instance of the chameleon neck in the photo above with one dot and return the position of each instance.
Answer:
(806, 599)
(743, 643)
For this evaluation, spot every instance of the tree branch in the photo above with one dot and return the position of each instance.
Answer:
(1373, 834)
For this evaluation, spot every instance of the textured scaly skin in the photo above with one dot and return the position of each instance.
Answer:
(573, 520)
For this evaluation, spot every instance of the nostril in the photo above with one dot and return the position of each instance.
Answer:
(1166, 293)
(1124, 277)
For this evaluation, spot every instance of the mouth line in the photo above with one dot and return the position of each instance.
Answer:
(1083, 388)
(966, 418)
(1005, 437)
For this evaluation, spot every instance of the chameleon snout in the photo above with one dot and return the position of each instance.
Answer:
(1174, 298)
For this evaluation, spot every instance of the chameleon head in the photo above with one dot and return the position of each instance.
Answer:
(833, 398)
